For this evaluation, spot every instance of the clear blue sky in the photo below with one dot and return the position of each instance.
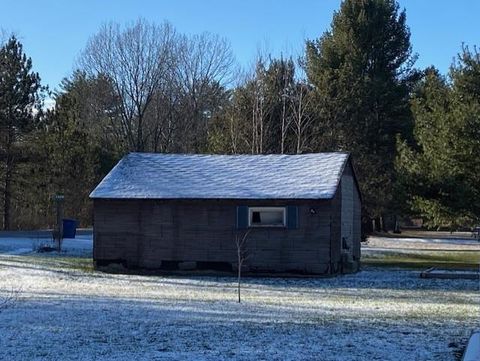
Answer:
(55, 31)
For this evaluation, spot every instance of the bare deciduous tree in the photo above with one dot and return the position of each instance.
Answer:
(204, 69)
(168, 85)
(301, 103)
(9, 299)
(135, 59)
(258, 107)
(234, 132)
(285, 122)
(267, 93)
(286, 119)
(242, 256)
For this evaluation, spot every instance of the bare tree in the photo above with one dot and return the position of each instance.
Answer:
(268, 90)
(135, 59)
(242, 256)
(163, 124)
(285, 122)
(258, 107)
(286, 119)
(302, 119)
(9, 299)
(234, 132)
(205, 68)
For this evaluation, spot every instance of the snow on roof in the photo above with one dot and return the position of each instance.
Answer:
(196, 176)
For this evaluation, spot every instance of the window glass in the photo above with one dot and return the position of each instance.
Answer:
(266, 216)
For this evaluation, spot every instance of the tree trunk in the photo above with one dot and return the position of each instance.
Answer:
(299, 139)
(239, 260)
(7, 192)
(7, 196)
(282, 145)
(239, 279)
(139, 147)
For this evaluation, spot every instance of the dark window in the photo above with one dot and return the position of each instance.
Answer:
(267, 217)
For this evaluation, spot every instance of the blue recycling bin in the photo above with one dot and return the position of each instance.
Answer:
(69, 228)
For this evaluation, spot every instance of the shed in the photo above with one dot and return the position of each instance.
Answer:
(166, 211)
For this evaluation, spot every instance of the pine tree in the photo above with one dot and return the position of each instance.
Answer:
(75, 150)
(71, 158)
(362, 74)
(440, 170)
(19, 104)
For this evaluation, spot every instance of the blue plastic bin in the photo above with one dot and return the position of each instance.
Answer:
(69, 228)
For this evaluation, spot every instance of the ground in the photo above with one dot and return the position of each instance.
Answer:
(421, 252)
(65, 310)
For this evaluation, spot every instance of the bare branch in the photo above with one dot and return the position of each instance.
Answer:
(9, 299)
(242, 256)
(136, 60)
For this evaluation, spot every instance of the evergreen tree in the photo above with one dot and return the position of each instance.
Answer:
(362, 74)
(71, 159)
(95, 107)
(19, 104)
(71, 149)
(440, 170)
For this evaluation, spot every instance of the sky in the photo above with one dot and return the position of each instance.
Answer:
(55, 31)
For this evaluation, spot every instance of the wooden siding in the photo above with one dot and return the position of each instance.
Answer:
(143, 233)
(347, 185)
(351, 212)
(336, 229)
(346, 223)
(357, 223)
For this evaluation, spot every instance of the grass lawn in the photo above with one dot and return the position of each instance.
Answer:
(422, 259)
(59, 308)
(421, 253)
(66, 310)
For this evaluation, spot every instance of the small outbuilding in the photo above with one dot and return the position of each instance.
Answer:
(176, 211)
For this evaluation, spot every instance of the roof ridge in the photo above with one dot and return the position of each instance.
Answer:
(235, 155)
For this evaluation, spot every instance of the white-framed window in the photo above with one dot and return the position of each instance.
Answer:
(267, 217)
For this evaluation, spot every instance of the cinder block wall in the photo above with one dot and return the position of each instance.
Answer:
(143, 233)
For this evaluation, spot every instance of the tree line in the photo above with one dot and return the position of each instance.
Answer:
(414, 133)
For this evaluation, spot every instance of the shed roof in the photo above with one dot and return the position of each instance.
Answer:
(195, 176)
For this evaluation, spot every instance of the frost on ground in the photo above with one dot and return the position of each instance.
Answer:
(79, 246)
(67, 313)
(467, 244)
(422, 252)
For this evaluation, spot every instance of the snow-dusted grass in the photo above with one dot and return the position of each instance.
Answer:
(467, 244)
(79, 246)
(422, 259)
(65, 312)
(421, 252)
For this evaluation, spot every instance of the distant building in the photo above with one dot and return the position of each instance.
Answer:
(169, 211)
